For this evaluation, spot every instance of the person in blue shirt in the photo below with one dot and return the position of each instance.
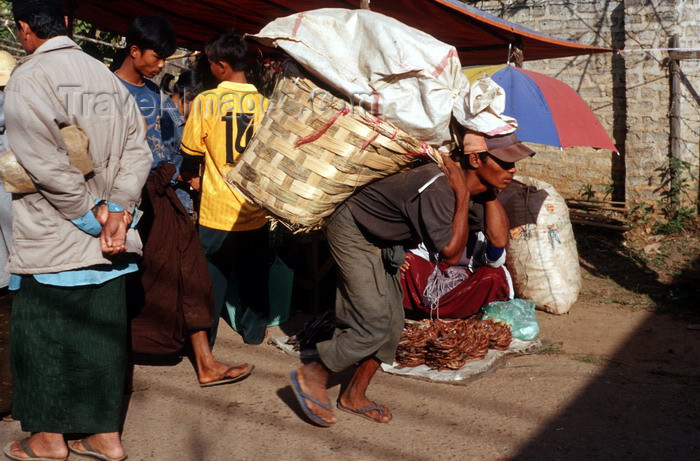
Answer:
(182, 89)
(173, 300)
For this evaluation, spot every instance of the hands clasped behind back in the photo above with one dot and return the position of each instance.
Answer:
(114, 227)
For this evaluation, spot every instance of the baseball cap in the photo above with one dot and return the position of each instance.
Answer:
(504, 147)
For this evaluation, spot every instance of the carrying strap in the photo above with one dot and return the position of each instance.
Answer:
(430, 181)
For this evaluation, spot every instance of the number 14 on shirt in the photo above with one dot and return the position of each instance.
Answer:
(242, 132)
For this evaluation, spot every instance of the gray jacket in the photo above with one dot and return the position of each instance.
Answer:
(59, 85)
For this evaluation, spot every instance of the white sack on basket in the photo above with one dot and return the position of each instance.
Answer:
(542, 258)
(402, 74)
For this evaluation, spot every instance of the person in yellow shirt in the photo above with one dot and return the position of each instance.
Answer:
(233, 232)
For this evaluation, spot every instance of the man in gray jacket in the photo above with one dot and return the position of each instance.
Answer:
(73, 241)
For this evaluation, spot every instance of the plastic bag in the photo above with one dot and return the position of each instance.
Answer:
(518, 313)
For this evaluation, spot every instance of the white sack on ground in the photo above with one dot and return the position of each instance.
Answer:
(542, 258)
(402, 74)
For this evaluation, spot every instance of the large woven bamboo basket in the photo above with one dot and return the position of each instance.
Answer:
(313, 150)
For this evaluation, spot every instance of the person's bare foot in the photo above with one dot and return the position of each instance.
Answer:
(209, 369)
(383, 415)
(354, 399)
(45, 445)
(216, 371)
(109, 444)
(312, 379)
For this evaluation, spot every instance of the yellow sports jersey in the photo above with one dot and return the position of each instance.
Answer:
(219, 127)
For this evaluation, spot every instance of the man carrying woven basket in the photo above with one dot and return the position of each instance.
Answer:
(427, 204)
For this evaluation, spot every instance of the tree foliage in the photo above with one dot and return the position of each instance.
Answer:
(97, 43)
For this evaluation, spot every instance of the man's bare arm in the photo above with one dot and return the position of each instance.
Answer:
(458, 240)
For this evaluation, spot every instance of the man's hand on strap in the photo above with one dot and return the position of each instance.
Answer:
(455, 177)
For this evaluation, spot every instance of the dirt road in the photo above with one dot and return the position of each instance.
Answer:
(621, 382)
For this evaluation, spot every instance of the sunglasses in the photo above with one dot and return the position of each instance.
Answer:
(502, 163)
(458, 152)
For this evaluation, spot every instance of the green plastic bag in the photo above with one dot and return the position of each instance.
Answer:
(518, 313)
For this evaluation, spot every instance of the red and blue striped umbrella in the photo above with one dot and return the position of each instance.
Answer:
(548, 111)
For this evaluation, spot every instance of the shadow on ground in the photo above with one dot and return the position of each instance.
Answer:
(634, 409)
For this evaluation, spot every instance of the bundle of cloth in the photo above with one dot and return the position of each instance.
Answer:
(399, 73)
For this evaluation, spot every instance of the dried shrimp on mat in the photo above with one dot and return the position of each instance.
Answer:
(442, 344)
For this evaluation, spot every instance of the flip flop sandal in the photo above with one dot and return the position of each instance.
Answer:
(28, 451)
(363, 412)
(302, 398)
(91, 452)
(226, 380)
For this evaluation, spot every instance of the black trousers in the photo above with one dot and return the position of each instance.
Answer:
(238, 265)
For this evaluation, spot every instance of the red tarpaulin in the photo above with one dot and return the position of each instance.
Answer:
(480, 38)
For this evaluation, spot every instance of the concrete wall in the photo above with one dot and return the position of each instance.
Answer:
(629, 92)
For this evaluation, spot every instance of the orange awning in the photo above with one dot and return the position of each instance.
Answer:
(480, 38)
